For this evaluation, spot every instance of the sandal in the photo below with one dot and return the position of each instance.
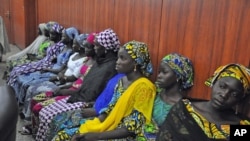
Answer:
(26, 130)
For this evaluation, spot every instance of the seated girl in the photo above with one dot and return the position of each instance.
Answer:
(200, 120)
(174, 79)
(131, 105)
(106, 46)
(44, 99)
(25, 80)
(42, 42)
(46, 62)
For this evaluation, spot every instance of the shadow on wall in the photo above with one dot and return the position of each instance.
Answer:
(244, 107)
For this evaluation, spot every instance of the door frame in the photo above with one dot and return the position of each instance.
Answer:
(6, 14)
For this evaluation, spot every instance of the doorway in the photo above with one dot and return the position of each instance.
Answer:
(7, 18)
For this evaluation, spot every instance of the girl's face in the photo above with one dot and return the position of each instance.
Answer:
(65, 39)
(89, 49)
(99, 50)
(226, 93)
(53, 35)
(166, 77)
(124, 64)
(46, 32)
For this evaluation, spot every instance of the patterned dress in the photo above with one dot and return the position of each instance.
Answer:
(46, 62)
(44, 99)
(184, 123)
(34, 78)
(99, 74)
(133, 122)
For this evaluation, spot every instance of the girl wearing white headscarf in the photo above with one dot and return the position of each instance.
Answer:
(33, 47)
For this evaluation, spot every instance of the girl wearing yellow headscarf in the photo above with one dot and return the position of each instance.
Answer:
(192, 120)
(132, 102)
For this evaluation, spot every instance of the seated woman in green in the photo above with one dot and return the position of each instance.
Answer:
(132, 102)
(174, 79)
(200, 120)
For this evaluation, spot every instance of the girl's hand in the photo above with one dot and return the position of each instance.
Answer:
(85, 137)
(77, 137)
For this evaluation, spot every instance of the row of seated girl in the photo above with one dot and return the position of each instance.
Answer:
(112, 98)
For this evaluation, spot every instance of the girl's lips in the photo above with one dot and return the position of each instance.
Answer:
(157, 82)
(117, 67)
(219, 103)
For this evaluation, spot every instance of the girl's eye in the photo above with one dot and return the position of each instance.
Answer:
(162, 72)
(234, 94)
(222, 86)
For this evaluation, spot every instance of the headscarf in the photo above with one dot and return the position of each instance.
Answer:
(182, 67)
(50, 24)
(42, 27)
(91, 37)
(80, 39)
(140, 53)
(71, 32)
(57, 28)
(236, 71)
(108, 39)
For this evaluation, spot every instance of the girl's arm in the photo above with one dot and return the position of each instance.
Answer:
(114, 134)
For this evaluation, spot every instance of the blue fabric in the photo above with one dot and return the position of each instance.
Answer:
(25, 80)
(71, 32)
(106, 95)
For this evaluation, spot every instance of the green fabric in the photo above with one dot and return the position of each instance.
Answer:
(42, 49)
(160, 110)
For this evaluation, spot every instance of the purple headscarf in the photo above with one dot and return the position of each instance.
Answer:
(57, 28)
(108, 39)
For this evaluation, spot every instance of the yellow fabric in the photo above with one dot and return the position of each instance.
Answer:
(210, 129)
(139, 95)
(236, 71)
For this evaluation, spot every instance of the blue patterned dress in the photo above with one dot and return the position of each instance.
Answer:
(26, 80)
(46, 62)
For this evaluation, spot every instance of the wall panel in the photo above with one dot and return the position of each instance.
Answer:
(18, 18)
(210, 32)
(139, 20)
(30, 18)
(87, 15)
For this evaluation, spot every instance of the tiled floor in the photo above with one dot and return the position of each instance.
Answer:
(20, 123)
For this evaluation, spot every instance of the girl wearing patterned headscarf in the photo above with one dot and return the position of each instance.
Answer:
(36, 52)
(175, 77)
(63, 57)
(49, 92)
(102, 70)
(108, 39)
(236, 71)
(210, 120)
(46, 62)
(132, 101)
